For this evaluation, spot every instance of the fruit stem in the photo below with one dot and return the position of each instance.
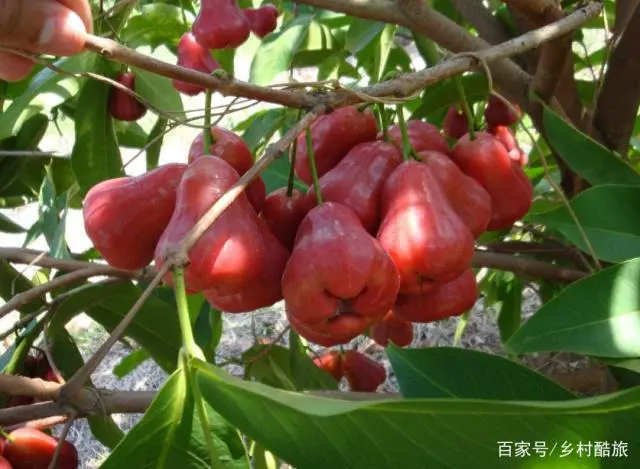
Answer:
(465, 106)
(293, 149)
(312, 166)
(188, 341)
(406, 144)
(207, 135)
(384, 122)
(202, 414)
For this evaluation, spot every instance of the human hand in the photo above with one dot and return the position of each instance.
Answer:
(55, 27)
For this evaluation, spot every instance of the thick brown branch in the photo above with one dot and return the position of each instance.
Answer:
(525, 266)
(620, 94)
(476, 14)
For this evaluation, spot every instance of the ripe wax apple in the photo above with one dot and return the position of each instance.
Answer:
(506, 137)
(466, 196)
(283, 214)
(487, 161)
(394, 329)
(232, 148)
(338, 330)
(125, 217)
(498, 113)
(4, 464)
(192, 55)
(333, 135)
(446, 300)
(28, 448)
(422, 136)
(220, 24)
(338, 279)
(237, 261)
(358, 179)
(263, 20)
(426, 239)
(362, 373)
(123, 106)
(455, 123)
(331, 362)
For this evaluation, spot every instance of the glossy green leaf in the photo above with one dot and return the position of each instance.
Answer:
(9, 226)
(12, 283)
(157, 24)
(585, 156)
(170, 435)
(95, 156)
(47, 89)
(315, 432)
(508, 304)
(598, 315)
(274, 365)
(158, 91)
(438, 97)
(262, 127)
(207, 330)
(305, 373)
(461, 373)
(130, 362)
(52, 224)
(361, 33)
(275, 53)
(277, 175)
(155, 327)
(68, 359)
(130, 134)
(154, 143)
(609, 216)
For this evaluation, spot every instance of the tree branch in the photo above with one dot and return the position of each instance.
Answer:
(476, 14)
(25, 297)
(42, 259)
(525, 266)
(620, 94)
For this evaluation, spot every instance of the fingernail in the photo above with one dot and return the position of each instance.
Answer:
(62, 34)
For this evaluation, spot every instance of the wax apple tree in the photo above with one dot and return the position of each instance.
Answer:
(363, 168)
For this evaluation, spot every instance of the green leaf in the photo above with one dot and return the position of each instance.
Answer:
(129, 363)
(362, 33)
(69, 360)
(9, 226)
(12, 283)
(130, 134)
(170, 435)
(158, 91)
(157, 24)
(608, 215)
(154, 143)
(95, 156)
(155, 327)
(275, 53)
(277, 175)
(386, 43)
(315, 432)
(53, 226)
(439, 97)
(304, 372)
(207, 330)
(585, 156)
(461, 373)
(47, 89)
(262, 127)
(508, 304)
(598, 315)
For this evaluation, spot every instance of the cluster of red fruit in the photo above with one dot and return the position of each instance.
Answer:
(220, 24)
(392, 243)
(30, 448)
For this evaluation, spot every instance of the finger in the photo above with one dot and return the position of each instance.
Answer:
(41, 26)
(14, 67)
(83, 10)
